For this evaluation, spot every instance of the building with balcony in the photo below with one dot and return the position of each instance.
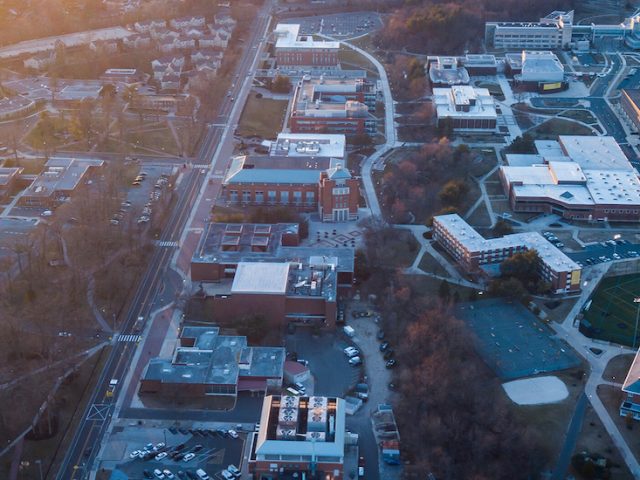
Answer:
(295, 50)
(205, 363)
(468, 108)
(299, 437)
(577, 177)
(476, 254)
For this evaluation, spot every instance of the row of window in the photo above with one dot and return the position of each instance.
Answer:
(272, 197)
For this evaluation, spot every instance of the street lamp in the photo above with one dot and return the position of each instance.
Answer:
(635, 331)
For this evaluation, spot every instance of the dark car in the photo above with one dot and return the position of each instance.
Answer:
(192, 475)
(380, 335)
(147, 474)
(340, 316)
(182, 475)
(197, 448)
(388, 353)
(384, 346)
(390, 364)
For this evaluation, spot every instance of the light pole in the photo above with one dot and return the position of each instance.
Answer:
(635, 331)
(39, 462)
(616, 237)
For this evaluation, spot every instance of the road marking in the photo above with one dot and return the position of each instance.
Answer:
(128, 338)
(167, 243)
(98, 411)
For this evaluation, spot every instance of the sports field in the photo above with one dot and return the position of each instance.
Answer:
(612, 313)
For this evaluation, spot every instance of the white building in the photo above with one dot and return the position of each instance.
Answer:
(541, 67)
(309, 145)
(578, 177)
(469, 108)
(551, 32)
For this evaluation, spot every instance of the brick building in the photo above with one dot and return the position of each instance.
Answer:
(467, 108)
(299, 437)
(475, 254)
(295, 50)
(285, 281)
(631, 387)
(336, 106)
(205, 363)
(630, 103)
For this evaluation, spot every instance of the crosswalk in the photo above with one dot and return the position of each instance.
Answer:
(128, 338)
(166, 243)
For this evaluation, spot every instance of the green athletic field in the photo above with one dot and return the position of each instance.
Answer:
(612, 314)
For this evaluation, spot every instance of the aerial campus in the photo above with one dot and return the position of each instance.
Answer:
(294, 239)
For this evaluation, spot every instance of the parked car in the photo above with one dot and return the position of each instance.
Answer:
(388, 354)
(168, 473)
(161, 455)
(390, 364)
(147, 474)
(384, 346)
(233, 433)
(233, 470)
(380, 335)
(355, 361)
(189, 456)
(134, 454)
(158, 474)
(351, 352)
(227, 475)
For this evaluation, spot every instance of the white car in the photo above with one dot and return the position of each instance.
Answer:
(160, 456)
(189, 456)
(134, 454)
(234, 470)
(355, 361)
(158, 474)
(351, 352)
(233, 433)
(168, 473)
(227, 475)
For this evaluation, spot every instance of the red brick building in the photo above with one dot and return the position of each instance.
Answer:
(314, 184)
(322, 106)
(295, 50)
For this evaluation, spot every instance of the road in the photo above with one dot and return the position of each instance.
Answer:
(81, 454)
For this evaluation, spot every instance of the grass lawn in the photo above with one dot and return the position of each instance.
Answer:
(550, 129)
(354, 59)
(584, 116)
(31, 166)
(480, 217)
(262, 117)
(58, 134)
(430, 265)
(612, 313)
(161, 140)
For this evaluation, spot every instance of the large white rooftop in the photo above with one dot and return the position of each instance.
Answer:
(590, 171)
(261, 277)
(309, 145)
(464, 101)
(474, 242)
(288, 36)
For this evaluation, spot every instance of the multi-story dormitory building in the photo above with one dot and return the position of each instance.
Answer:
(474, 253)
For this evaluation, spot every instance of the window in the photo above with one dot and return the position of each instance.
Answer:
(259, 196)
(311, 197)
(246, 196)
(284, 197)
(272, 196)
(297, 197)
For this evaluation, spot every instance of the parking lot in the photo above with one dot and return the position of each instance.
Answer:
(145, 194)
(327, 361)
(212, 451)
(605, 252)
(343, 25)
(12, 232)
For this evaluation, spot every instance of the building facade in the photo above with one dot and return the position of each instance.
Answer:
(295, 50)
(467, 108)
(552, 32)
(473, 252)
(578, 177)
(630, 103)
(299, 437)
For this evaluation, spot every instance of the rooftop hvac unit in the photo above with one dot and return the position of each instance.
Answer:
(315, 437)
(315, 402)
(285, 433)
(290, 401)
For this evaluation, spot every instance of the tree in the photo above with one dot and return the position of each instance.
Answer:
(502, 228)
(444, 292)
(453, 192)
(445, 127)
(523, 144)
(281, 84)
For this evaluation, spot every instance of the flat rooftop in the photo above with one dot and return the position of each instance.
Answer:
(540, 62)
(60, 175)
(261, 277)
(8, 173)
(478, 102)
(277, 170)
(216, 359)
(288, 37)
(307, 145)
(474, 242)
(219, 245)
(576, 170)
